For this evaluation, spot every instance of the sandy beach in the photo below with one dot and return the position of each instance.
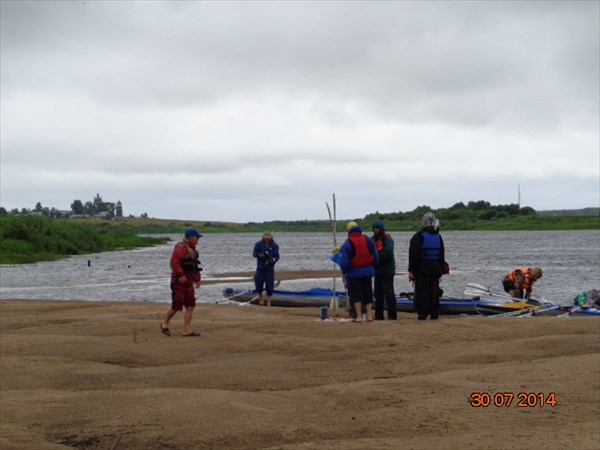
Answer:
(90, 375)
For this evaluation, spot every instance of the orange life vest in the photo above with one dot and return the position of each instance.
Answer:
(527, 281)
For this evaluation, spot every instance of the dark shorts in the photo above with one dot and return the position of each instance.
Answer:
(182, 295)
(360, 290)
(264, 280)
(508, 285)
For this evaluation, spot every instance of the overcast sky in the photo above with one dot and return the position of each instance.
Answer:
(255, 111)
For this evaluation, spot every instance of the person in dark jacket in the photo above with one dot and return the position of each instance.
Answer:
(266, 252)
(185, 279)
(425, 267)
(357, 261)
(384, 272)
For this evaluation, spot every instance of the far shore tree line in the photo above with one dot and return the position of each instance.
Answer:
(459, 216)
(96, 208)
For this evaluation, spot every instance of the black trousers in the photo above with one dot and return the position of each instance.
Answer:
(427, 296)
(384, 292)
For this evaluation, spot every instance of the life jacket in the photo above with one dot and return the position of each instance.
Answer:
(361, 255)
(526, 277)
(191, 264)
(379, 242)
(431, 248)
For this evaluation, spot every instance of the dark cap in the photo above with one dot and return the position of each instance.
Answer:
(192, 233)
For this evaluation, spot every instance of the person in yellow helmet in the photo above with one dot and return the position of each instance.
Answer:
(357, 259)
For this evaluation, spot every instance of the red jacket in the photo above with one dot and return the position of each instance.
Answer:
(184, 252)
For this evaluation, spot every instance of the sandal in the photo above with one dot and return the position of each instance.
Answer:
(192, 334)
(165, 331)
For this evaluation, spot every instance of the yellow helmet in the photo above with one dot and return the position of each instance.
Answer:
(351, 225)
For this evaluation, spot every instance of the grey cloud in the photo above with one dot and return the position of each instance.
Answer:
(226, 89)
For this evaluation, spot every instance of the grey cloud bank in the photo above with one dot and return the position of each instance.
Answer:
(252, 111)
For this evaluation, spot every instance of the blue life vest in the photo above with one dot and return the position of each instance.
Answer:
(431, 247)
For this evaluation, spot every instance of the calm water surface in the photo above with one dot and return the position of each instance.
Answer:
(570, 260)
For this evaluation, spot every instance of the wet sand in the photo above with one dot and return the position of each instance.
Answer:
(101, 376)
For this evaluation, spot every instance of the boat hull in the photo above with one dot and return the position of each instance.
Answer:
(318, 297)
(448, 306)
(516, 308)
(315, 297)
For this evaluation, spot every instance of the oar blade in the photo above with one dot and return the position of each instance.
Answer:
(571, 311)
(474, 293)
(333, 304)
(250, 301)
(478, 287)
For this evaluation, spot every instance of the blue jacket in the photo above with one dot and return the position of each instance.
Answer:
(347, 253)
(266, 255)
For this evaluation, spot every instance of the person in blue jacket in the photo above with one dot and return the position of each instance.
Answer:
(358, 258)
(266, 252)
(425, 267)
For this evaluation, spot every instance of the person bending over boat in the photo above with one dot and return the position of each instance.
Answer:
(185, 279)
(357, 260)
(425, 267)
(519, 282)
(384, 272)
(266, 252)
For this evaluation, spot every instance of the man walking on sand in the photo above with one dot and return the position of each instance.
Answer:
(185, 279)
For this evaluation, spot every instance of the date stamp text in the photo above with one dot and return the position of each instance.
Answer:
(506, 399)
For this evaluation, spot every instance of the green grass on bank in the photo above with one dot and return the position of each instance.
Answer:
(27, 239)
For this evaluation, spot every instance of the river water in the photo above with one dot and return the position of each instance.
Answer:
(570, 260)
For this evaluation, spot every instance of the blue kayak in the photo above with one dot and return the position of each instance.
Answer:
(317, 297)
(310, 297)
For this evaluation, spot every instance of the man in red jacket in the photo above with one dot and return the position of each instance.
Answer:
(185, 279)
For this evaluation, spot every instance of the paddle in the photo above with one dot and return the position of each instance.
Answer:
(535, 312)
(518, 312)
(277, 283)
(250, 301)
(233, 296)
(476, 290)
(333, 305)
(571, 311)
